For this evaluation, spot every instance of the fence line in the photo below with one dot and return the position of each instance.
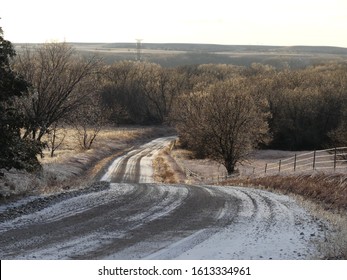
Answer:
(208, 179)
(320, 160)
(334, 158)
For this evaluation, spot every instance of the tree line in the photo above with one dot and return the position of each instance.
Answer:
(220, 111)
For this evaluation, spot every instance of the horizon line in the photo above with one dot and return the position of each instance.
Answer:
(179, 43)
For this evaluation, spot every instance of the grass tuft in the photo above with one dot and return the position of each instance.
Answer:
(163, 172)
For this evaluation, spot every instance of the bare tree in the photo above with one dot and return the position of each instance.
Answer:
(122, 90)
(60, 84)
(88, 121)
(161, 88)
(225, 122)
(145, 90)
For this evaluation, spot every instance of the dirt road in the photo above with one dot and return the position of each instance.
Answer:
(155, 221)
(136, 166)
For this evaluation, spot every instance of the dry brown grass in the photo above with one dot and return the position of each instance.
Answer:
(166, 169)
(335, 244)
(108, 137)
(328, 190)
(162, 171)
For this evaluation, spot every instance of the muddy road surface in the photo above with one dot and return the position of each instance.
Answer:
(132, 218)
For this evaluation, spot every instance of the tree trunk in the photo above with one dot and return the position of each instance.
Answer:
(230, 166)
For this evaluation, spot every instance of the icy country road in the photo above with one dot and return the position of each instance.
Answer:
(136, 166)
(155, 221)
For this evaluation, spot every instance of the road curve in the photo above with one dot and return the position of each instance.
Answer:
(129, 217)
(154, 221)
(136, 165)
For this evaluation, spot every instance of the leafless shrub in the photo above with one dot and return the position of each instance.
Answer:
(88, 121)
(56, 136)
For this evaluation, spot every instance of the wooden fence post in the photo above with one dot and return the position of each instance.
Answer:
(265, 167)
(335, 159)
(279, 166)
(314, 159)
(294, 162)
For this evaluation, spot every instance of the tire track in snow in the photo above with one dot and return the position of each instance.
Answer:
(266, 227)
(149, 221)
(136, 166)
(92, 229)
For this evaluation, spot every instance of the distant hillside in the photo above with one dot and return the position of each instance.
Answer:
(318, 49)
(222, 48)
(176, 54)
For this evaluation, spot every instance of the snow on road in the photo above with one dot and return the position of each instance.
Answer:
(268, 227)
(149, 221)
(141, 220)
(136, 166)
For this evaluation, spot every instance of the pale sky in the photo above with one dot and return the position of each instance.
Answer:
(235, 22)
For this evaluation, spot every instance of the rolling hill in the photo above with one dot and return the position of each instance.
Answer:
(177, 54)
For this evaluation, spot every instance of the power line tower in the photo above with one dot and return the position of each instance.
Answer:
(138, 49)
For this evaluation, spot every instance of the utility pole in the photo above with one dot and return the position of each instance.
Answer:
(138, 49)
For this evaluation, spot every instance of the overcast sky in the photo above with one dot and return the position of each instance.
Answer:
(236, 22)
